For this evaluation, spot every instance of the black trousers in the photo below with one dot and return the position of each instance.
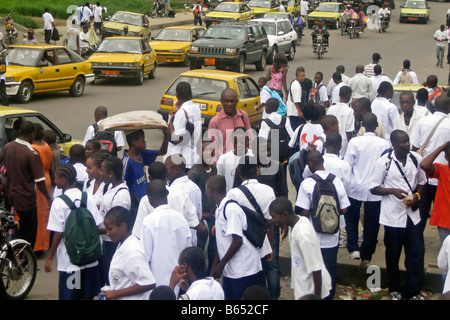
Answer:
(3, 94)
(28, 225)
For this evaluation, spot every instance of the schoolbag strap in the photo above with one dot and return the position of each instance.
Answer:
(95, 126)
(67, 200)
(83, 200)
(121, 188)
(251, 198)
(316, 177)
(225, 206)
(330, 177)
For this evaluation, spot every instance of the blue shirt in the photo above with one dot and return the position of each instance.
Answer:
(134, 173)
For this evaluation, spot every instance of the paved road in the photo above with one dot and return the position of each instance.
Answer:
(401, 41)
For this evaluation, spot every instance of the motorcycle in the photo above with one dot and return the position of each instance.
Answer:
(11, 31)
(354, 29)
(320, 47)
(88, 52)
(18, 263)
(158, 10)
(345, 22)
(383, 23)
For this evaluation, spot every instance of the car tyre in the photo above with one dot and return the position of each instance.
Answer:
(272, 54)
(240, 67)
(336, 25)
(140, 78)
(25, 92)
(152, 74)
(77, 88)
(186, 61)
(261, 64)
(291, 53)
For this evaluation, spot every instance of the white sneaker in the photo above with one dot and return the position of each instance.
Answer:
(395, 295)
(354, 255)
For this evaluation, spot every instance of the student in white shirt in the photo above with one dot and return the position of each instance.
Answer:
(237, 260)
(411, 115)
(165, 233)
(331, 84)
(361, 85)
(130, 276)
(49, 24)
(308, 272)
(321, 96)
(90, 274)
(191, 277)
(385, 110)
(271, 108)
(264, 95)
(362, 153)
(117, 195)
(182, 141)
(443, 261)
(399, 215)
(439, 137)
(335, 95)
(345, 116)
(379, 77)
(294, 99)
(329, 243)
(406, 75)
(94, 186)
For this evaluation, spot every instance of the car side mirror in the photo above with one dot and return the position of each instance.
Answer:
(153, 38)
(66, 138)
(146, 25)
(280, 33)
(251, 40)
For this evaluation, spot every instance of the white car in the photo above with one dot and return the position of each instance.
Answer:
(282, 36)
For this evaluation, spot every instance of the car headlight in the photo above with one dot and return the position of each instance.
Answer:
(9, 79)
(94, 64)
(193, 49)
(176, 50)
(131, 64)
(231, 51)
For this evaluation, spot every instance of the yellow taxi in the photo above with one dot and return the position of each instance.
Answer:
(293, 6)
(260, 7)
(415, 11)
(124, 57)
(11, 118)
(207, 86)
(45, 68)
(171, 44)
(137, 23)
(229, 11)
(329, 12)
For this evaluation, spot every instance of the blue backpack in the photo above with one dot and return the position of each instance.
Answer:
(282, 107)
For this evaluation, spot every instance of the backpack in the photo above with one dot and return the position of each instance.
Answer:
(314, 94)
(256, 222)
(324, 211)
(106, 139)
(81, 233)
(283, 138)
(437, 92)
(389, 151)
(282, 105)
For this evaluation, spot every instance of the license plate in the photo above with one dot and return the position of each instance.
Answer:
(210, 62)
(160, 58)
(110, 73)
(413, 18)
(215, 22)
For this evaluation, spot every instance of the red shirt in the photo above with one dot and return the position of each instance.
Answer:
(226, 125)
(440, 216)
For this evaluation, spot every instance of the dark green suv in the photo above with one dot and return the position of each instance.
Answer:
(230, 46)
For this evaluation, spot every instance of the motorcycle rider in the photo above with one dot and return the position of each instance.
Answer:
(347, 13)
(9, 23)
(384, 13)
(30, 39)
(297, 23)
(359, 16)
(84, 42)
(320, 29)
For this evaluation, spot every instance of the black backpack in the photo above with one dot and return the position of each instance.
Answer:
(283, 138)
(106, 139)
(256, 222)
(324, 211)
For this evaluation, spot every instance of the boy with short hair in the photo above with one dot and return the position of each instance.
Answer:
(308, 272)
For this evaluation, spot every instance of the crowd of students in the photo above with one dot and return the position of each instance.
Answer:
(180, 228)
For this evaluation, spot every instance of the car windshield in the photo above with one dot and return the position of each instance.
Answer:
(23, 57)
(226, 33)
(415, 4)
(326, 7)
(202, 88)
(227, 7)
(127, 18)
(269, 27)
(259, 4)
(174, 35)
(119, 46)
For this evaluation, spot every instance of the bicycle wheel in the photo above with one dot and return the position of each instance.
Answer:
(18, 275)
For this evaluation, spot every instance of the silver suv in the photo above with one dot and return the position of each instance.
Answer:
(282, 37)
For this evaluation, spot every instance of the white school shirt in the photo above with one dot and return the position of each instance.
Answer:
(59, 212)
(310, 133)
(130, 267)
(412, 74)
(90, 133)
(331, 84)
(441, 35)
(165, 233)
(393, 213)
(418, 114)
(386, 112)
(177, 200)
(95, 198)
(48, 19)
(443, 261)
(376, 80)
(82, 38)
(205, 289)
(337, 166)
(192, 190)
(440, 136)
(346, 120)
(276, 118)
(264, 195)
(98, 12)
(304, 201)
(188, 147)
(71, 36)
(306, 258)
(361, 87)
(114, 197)
(362, 153)
(226, 167)
(264, 95)
(295, 97)
(335, 98)
(246, 261)
(323, 92)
